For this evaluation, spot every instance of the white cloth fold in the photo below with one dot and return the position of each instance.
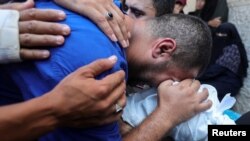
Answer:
(9, 36)
(141, 105)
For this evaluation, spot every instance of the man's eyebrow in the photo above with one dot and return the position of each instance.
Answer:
(136, 9)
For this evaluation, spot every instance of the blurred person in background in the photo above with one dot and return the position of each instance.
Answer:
(228, 64)
(214, 12)
(179, 6)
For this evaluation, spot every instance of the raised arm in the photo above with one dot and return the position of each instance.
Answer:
(176, 103)
(79, 100)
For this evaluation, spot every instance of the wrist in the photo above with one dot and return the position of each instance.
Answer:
(165, 119)
(51, 107)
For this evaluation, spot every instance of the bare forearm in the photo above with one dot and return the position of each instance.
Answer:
(27, 121)
(152, 129)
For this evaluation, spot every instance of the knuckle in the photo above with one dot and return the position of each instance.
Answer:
(54, 27)
(87, 3)
(26, 39)
(35, 54)
(120, 20)
(103, 89)
(47, 39)
(31, 26)
(103, 106)
(32, 12)
(100, 19)
(190, 92)
(122, 75)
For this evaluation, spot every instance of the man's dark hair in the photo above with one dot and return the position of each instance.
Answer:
(193, 39)
(163, 7)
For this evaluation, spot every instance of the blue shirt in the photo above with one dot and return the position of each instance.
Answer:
(85, 44)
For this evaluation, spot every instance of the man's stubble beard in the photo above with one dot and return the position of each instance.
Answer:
(144, 73)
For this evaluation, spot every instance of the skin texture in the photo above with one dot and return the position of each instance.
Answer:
(170, 111)
(146, 52)
(37, 29)
(200, 4)
(115, 29)
(159, 123)
(81, 101)
(137, 9)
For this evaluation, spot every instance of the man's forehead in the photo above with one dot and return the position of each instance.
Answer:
(140, 4)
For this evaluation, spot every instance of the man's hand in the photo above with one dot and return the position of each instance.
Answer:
(176, 103)
(37, 29)
(182, 101)
(96, 10)
(78, 101)
(82, 101)
(18, 6)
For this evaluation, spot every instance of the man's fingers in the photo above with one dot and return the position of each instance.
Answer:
(27, 54)
(204, 106)
(39, 27)
(117, 95)
(99, 66)
(116, 25)
(114, 80)
(99, 18)
(31, 40)
(185, 83)
(113, 99)
(123, 26)
(202, 96)
(18, 6)
(195, 84)
(167, 83)
(41, 15)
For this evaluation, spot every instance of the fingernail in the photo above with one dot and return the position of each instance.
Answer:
(66, 29)
(127, 43)
(59, 40)
(45, 54)
(61, 15)
(124, 43)
(129, 35)
(113, 37)
(113, 58)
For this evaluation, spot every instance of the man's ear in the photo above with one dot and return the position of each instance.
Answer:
(164, 47)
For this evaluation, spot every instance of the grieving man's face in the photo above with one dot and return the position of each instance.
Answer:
(143, 66)
(139, 9)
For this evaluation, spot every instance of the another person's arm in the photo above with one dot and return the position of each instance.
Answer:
(176, 103)
(216, 22)
(79, 100)
(97, 10)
